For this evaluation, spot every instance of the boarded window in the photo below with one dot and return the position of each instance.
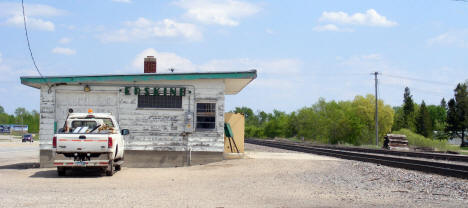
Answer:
(152, 101)
(206, 115)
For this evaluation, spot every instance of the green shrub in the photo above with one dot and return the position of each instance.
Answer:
(418, 140)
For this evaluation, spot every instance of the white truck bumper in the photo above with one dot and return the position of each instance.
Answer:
(101, 161)
(71, 163)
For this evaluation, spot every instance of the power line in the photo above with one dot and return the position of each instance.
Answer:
(29, 45)
(419, 80)
(416, 89)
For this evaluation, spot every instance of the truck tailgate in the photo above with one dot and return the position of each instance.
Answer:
(82, 142)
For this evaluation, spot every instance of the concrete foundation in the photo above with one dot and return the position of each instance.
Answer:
(46, 159)
(162, 159)
(152, 159)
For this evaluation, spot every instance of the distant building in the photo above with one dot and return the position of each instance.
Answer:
(173, 118)
(10, 128)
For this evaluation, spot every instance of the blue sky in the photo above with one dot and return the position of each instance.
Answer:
(303, 50)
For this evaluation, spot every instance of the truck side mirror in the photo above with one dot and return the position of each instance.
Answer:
(125, 132)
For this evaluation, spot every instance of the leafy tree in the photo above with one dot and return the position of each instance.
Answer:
(408, 109)
(2, 110)
(423, 121)
(344, 122)
(276, 124)
(457, 114)
(22, 116)
(252, 127)
(350, 122)
(364, 107)
(438, 116)
(443, 103)
(249, 115)
(398, 118)
(292, 128)
(19, 112)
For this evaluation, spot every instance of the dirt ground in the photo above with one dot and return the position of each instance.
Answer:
(266, 178)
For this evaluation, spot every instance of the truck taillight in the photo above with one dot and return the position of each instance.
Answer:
(54, 142)
(109, 142)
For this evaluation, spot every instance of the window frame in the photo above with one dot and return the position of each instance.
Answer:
(197, 128)
(179, 104)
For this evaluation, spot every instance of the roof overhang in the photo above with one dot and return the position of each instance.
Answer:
(234, 81)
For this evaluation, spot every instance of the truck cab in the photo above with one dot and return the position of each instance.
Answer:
(89, 140)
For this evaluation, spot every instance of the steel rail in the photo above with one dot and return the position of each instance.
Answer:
(435, 156)
(447, 169)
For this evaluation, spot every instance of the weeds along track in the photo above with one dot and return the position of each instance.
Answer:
(410, 160)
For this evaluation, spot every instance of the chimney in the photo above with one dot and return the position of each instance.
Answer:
(150, 64)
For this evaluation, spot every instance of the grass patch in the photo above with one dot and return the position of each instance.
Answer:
(417, 140)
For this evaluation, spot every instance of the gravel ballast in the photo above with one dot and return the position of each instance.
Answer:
(268, 177)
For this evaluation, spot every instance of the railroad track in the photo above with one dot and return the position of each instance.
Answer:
(426, 155)
(442, 168)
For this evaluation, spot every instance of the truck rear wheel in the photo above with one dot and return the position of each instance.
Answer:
(110, 169)
(61, 171)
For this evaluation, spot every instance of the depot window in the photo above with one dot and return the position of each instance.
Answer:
(151, 101)
(206, 116)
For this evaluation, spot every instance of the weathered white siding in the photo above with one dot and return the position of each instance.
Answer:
(150, 129)
(47, 119)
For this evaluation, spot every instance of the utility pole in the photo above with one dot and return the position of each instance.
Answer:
(376, 110)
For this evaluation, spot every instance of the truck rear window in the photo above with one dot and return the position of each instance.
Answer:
(82, 126)
(95, 126)
(89, 124)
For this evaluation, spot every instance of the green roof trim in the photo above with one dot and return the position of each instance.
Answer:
(252, 74)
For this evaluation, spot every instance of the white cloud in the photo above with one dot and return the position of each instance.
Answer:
(33, 23)
(224, 12)
(12, 14)
(123, 1)
(165, 61)
(64, 40)
(271, 67)
(10, 73)
(64, 51)
(365, 64)
(370, 18)
(451, 38)
(274, 83)
(283, 75)
(143, 28)
(331, 27)
(393, 79)
(269, 31)
(11, 9)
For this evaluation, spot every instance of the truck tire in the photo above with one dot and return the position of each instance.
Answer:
(110, 169)
(61, 171)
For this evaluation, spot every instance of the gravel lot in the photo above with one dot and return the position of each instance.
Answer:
(268, 177)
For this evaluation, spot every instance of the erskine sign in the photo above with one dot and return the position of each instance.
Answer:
(156, 91)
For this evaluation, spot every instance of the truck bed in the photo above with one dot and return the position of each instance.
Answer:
(88, 143)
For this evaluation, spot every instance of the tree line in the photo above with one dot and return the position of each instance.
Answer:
(353, 122)
(443, 121)
(330, 122)
(21, 116)
(334, 122)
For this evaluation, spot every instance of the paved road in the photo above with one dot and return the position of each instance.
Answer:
(18, 153)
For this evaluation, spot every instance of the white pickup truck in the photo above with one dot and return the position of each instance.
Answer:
(91, 140)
